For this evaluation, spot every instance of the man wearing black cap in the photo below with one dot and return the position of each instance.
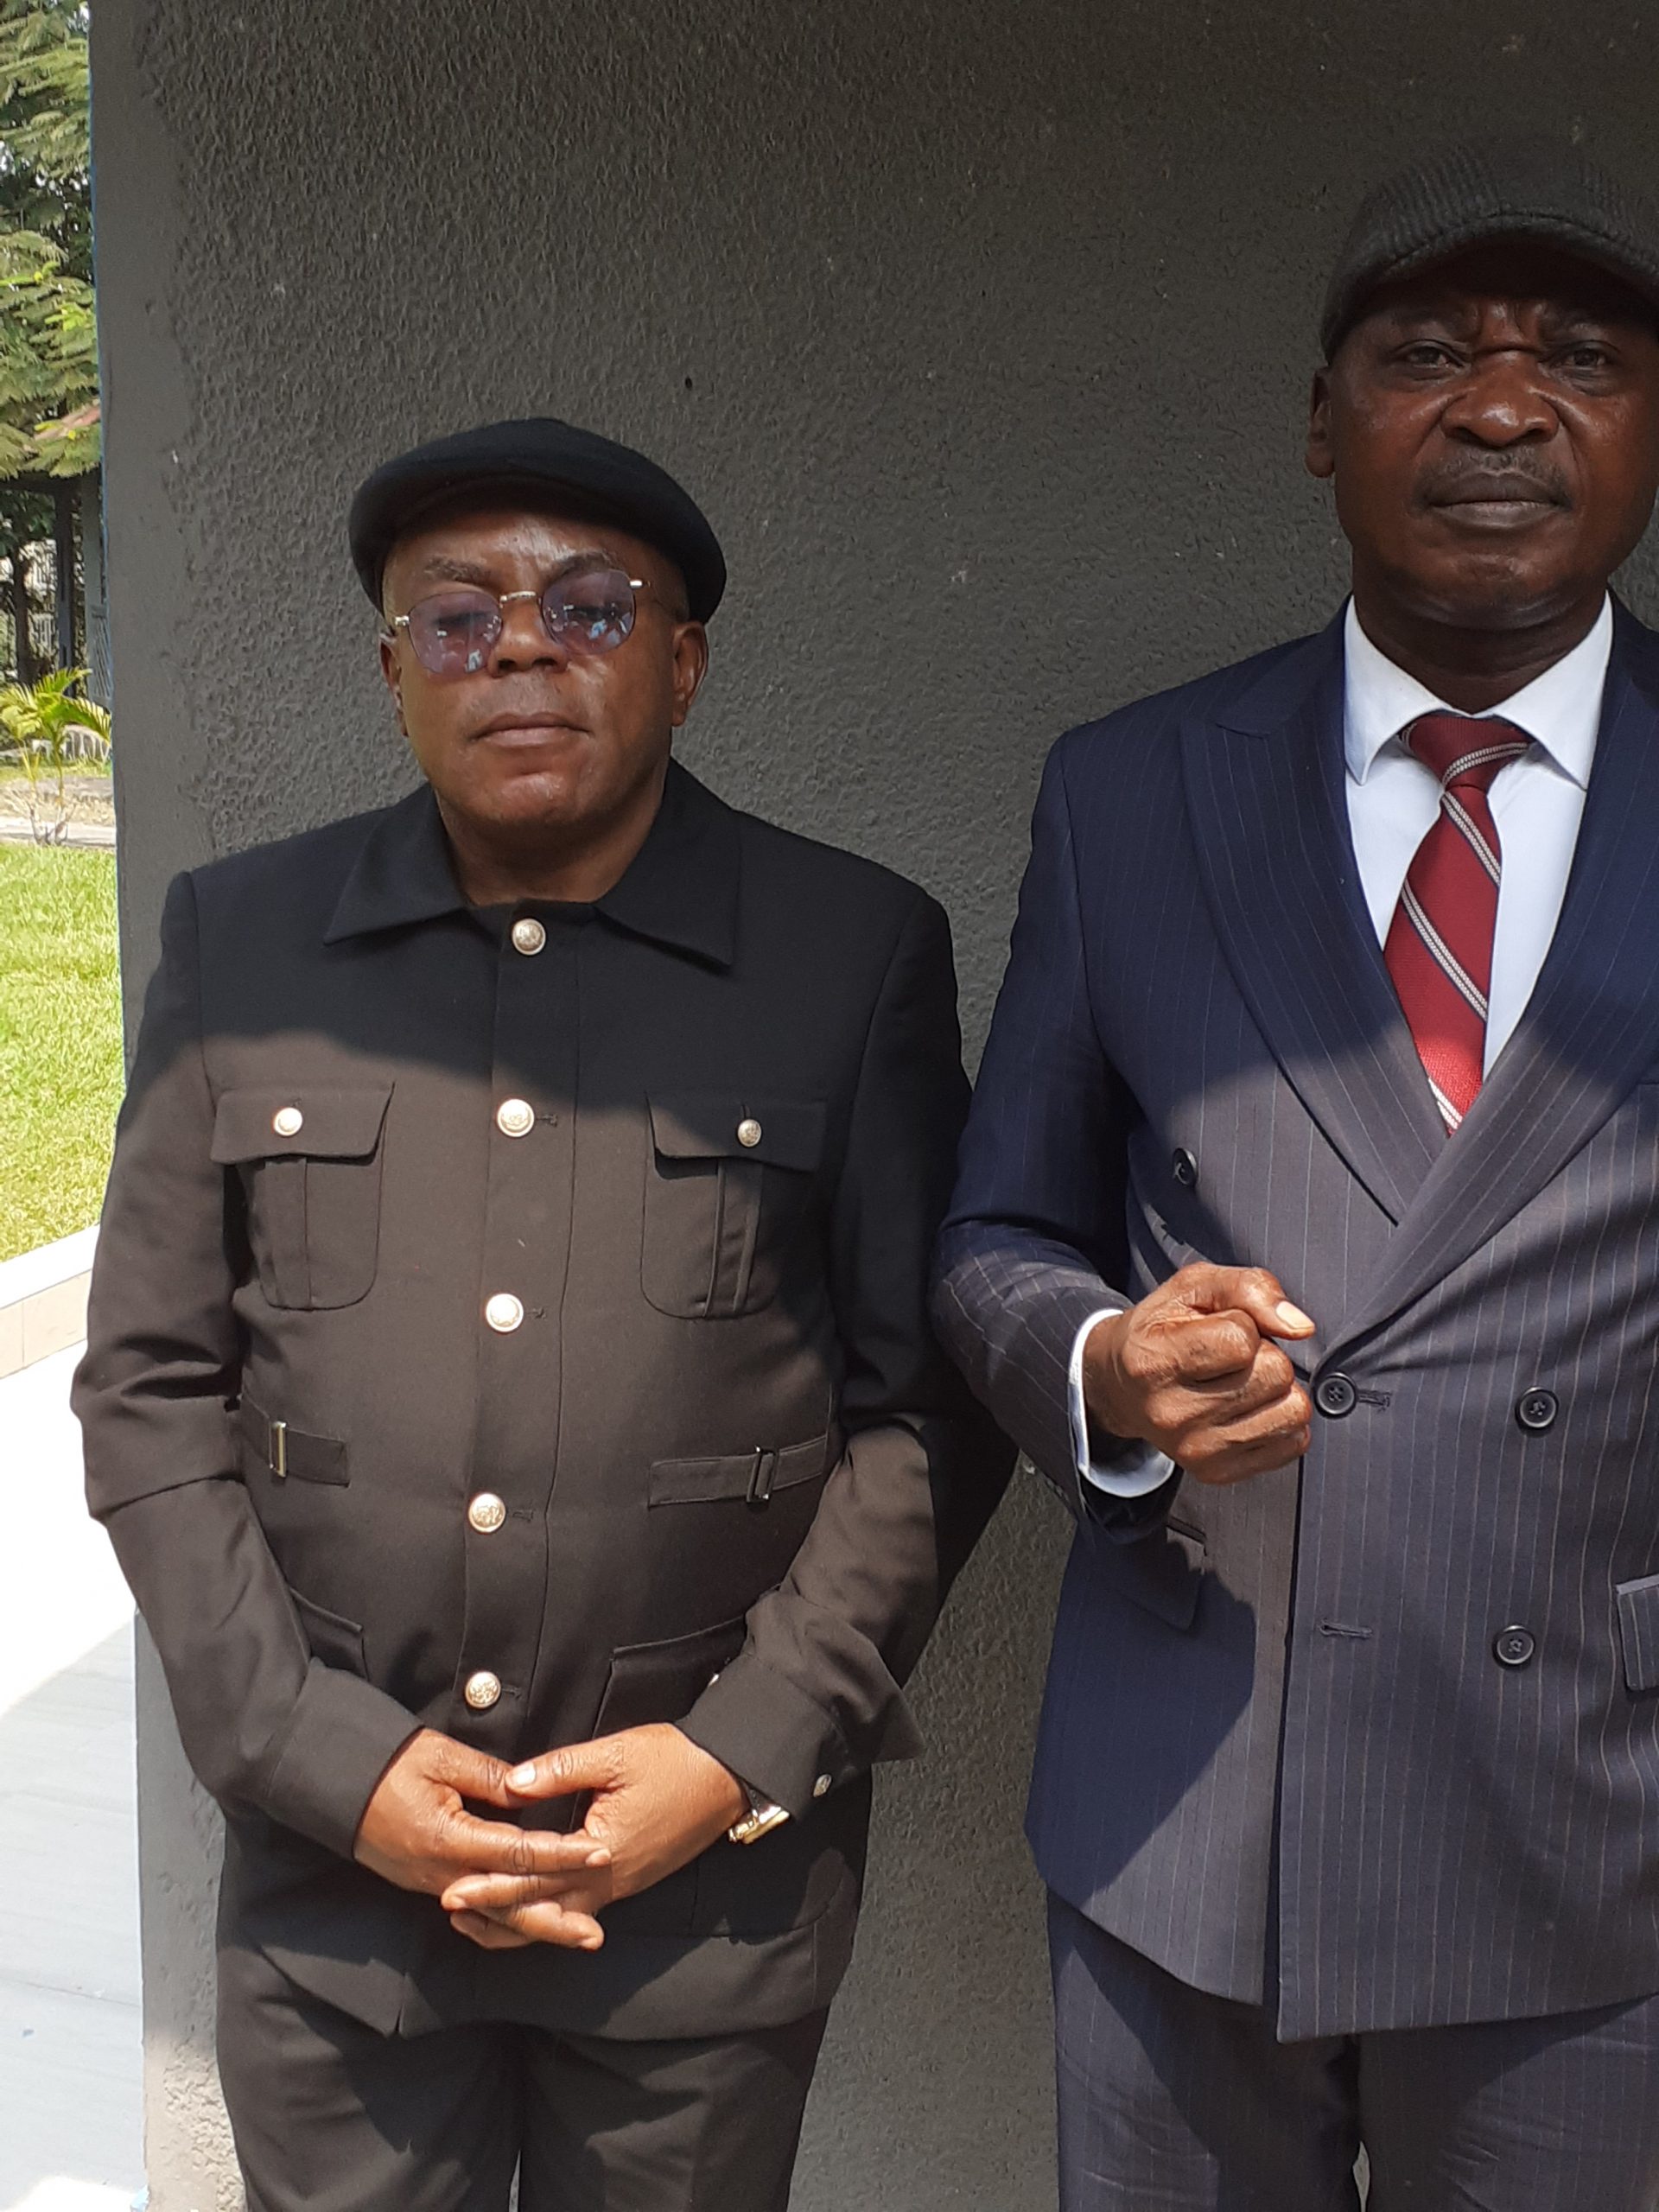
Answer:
(510, 1391)
(1307, 1238)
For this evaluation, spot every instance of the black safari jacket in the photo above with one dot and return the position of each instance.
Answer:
(514, 1323)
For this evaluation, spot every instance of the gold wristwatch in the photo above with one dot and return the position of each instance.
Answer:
(760, 1819)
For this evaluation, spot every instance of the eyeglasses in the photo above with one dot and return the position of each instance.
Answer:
(455, 631)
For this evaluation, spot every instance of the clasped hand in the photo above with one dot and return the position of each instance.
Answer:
(657, 1799)
(1194, 1369)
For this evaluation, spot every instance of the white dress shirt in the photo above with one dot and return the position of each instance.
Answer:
(1537, 804)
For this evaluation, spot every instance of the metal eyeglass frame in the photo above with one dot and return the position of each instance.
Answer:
(504, 600)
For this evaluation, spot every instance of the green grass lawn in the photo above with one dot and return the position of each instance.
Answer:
(60, 1040)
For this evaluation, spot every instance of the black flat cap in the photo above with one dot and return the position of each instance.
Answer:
(602, 481)
(1539, 189)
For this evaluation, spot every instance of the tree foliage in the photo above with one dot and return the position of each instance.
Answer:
(48, 347)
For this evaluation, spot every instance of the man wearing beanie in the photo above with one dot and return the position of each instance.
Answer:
(1307, 1239)
(510, 1390)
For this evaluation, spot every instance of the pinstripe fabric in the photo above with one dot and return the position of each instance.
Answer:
(1171, 2101)
(1638, 1630)
(1192, 968)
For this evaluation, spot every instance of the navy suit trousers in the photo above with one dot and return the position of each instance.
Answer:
(1173, 2100)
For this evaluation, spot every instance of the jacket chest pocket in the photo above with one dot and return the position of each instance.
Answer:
(728, 1182)
(309, 1164)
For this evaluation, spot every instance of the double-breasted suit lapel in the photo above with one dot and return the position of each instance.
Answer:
(1265, 797)
(1589, 1031)
(1271, 823)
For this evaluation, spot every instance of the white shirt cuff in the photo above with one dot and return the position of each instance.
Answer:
(1136, 1472)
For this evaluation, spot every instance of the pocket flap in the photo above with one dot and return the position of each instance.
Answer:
(1638, 1631)
(334, 1639)
(704, 1125)
(1162, 1571)
(753, 1476)
(663, 1682)
(331, 1124)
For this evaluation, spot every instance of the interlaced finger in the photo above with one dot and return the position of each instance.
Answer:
(548, 1923)
(498, 1894)
(498, 1847)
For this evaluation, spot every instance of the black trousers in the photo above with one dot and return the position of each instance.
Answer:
(1171, 2101)
(330, 2117)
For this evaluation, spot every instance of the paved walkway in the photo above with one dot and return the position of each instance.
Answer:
(70, 2050)
(101, 834)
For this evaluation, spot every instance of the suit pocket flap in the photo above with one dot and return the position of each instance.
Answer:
(1638, 1631)
(315, 1123)
(706, 1125)
(663, 1682)
(753, 1476)
(1163, 1570)
(334, 1639)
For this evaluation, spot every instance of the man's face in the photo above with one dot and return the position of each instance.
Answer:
(542, 736)
(1492, 427)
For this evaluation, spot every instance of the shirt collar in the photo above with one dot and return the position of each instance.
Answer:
(1561, 710)
(681, 888)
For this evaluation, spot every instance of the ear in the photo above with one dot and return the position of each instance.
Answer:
(1320, 454)
(393, 676)
(690, 666)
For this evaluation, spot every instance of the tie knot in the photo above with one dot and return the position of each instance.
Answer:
(1466, 749)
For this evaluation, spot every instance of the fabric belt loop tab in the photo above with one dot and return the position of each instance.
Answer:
(766, 1466)
(288, 1453)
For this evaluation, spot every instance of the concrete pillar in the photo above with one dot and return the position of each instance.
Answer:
(983, 328)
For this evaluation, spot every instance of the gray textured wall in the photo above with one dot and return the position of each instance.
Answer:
(982, 329)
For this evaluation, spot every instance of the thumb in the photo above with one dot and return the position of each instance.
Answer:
(561, 1773)
(472, 1774)
(1262, 1296)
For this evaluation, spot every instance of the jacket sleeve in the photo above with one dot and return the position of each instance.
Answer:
(265, 1724)
(815, 1695)
(1034, 1242)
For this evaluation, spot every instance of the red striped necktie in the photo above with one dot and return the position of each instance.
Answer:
(1440, 944)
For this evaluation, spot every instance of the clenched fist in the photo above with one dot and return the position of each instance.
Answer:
(1194, 1370)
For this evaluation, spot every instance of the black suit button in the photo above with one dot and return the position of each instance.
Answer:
(1536, 1409)
(1336, 1396)
(1185, 1169)
(1513, 1647)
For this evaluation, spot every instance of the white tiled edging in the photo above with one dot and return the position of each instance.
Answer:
(43, 1300)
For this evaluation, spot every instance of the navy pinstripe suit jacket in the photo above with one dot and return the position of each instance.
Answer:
(1283, 1700)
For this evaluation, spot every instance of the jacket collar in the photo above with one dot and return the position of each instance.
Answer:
(681, 889)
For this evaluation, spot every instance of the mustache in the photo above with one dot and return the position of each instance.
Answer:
(1533, 478)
